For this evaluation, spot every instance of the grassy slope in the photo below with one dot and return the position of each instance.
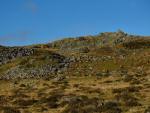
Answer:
(129, 91)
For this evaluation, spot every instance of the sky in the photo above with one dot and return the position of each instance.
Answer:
(25, 22)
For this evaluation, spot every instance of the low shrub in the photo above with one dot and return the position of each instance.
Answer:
(127, 99)
(10, 110)
(24, 103)
(147, 110)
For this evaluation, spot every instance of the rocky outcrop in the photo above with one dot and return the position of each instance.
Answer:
(103, 39)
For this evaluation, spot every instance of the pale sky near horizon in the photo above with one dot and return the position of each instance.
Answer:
(24, 22)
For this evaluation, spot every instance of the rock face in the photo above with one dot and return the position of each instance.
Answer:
(7, 54)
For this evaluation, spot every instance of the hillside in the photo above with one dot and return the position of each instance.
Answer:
(105, 73)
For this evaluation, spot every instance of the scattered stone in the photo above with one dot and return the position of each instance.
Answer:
(84, 50)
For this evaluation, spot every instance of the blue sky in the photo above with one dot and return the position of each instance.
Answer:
(24, 22)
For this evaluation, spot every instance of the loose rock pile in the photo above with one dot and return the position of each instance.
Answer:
(44, 71)
(87, 58)
(6, 54)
